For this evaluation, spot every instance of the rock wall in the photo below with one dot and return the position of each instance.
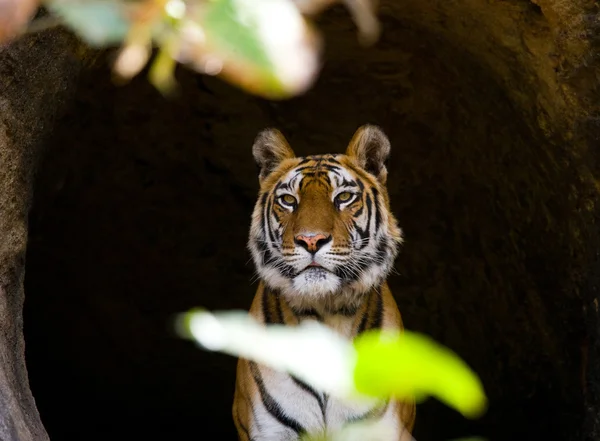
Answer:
(36, 75)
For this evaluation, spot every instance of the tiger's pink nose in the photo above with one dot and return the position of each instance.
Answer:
(312, 243)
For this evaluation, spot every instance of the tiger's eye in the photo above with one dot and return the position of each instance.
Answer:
(288, 199)
(344, 197)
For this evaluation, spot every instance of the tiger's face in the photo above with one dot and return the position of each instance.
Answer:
(322, 224)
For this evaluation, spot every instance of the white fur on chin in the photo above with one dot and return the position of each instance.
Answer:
(316, 282)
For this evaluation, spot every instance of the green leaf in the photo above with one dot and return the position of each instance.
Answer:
(234, 26)
(98, 23)
(265, 46)
(408, 364)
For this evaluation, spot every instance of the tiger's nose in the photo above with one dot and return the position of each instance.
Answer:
(312, 243)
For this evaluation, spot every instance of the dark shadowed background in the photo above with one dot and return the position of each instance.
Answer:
(142, 207)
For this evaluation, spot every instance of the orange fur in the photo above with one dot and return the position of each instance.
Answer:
(268, 404)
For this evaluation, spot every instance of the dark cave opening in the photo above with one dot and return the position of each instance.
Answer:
(142, 206)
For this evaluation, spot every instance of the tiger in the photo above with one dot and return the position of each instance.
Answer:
(323, 241)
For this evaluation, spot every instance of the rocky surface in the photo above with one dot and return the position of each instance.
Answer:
(141, 209)
(36, 75)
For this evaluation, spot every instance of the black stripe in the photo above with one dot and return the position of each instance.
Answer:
(302, 183)
(309, 312)
(263, 199)
(277, 299)
(331, 168)
(311, 391)
(372, 320)
(268, 258)
(369, 210)
(263, 218)
(267, 316)
(320, 177)
(363, 265)
(346, 311)
(363, 234)
(375, 413)
(282, 185)
(378, 321)
(377, 212)
(268, 217)
(272, 313)
(276, 216)
(301, 169)
(360, 210)
(382, 251)
(264, 250)
(264, 221)
(363, 323)
(271, 405)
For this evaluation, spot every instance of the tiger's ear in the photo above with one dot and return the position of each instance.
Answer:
(370, 147)
(269, 150)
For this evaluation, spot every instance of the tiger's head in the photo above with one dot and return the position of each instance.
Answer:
(322, 224)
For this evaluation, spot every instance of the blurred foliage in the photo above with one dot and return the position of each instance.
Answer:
(369, 432)
(267, 47)
(378, 430)
(376, 364)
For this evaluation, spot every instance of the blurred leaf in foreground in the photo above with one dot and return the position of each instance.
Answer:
(264, 46)
(411, 364)
(97, 22)
(376, 365)
(378, 430)
(14, 17)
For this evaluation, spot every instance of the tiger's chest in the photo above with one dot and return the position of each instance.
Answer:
(293, 407)
(289, 407)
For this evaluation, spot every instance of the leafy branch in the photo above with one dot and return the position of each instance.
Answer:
(269, 48)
